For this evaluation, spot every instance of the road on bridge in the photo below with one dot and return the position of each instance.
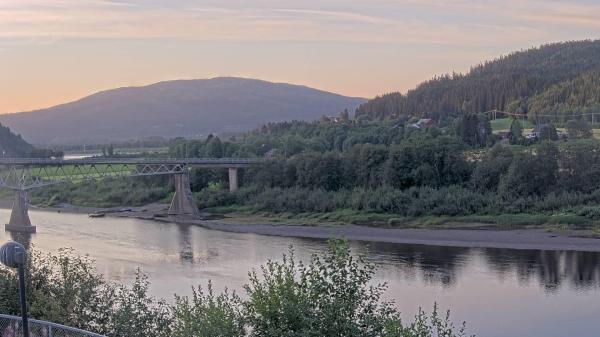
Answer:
(23, 174)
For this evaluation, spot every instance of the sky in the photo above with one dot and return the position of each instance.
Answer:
(56, 51)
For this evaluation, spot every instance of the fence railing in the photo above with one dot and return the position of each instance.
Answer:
(11, 326)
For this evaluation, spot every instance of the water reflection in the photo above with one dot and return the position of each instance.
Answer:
(443, 266)
(186, 251)
(541, 293)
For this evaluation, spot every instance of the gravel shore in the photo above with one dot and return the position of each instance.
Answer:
(514, 239)
(486, 238)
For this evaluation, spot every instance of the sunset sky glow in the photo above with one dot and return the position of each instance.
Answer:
(55, 51)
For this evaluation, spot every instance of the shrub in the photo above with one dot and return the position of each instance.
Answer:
(330, 296)
(65, 288)
(207, 315)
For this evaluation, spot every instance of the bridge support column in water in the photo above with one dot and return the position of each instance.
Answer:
(233, 179)
(183, 202)
(19, 217)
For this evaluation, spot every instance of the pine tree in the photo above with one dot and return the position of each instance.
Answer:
(516, 132)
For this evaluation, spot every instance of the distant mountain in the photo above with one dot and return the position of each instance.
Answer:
(189, 108)
(506, 83)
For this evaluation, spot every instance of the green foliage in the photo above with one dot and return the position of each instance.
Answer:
(432, 325)
(330, 296)
(424, 161)
(516, 132)
(531, 175)
(487, 173)
(135, 314)
(578, 129)
(286, 139)
(506, 179)
(474, 129)
(415, 201)
(579, 95)
(65, 288)
(208, 315)
(548, 132)
(105, 193)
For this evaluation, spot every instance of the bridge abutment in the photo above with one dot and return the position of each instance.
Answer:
(19, 216)
(233, 179)
(183, 202)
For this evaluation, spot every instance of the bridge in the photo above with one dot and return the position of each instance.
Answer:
(24, 174)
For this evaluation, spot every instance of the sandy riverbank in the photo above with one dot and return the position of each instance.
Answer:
(487, 238)
(514, 239)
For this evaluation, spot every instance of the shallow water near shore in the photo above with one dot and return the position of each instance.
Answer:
(499, 292)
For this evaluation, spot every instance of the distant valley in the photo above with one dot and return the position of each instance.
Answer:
(187, 108)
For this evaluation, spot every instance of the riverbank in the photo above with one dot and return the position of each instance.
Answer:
(457, 234)
(461, 235)
(481, 238)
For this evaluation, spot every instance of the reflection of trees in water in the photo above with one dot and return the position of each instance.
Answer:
(550, 268)
(435, 264)
(443, 265)
(583, 268)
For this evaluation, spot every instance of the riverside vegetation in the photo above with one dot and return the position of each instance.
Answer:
(331, 295)
(436, 175)
(384, 173)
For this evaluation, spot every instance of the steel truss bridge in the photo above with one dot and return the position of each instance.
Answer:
(24, 174)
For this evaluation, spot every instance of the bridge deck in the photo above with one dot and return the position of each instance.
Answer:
(194, 162)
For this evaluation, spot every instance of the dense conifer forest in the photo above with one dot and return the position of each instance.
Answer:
(506, 83)
(579, 96)
(12, 145)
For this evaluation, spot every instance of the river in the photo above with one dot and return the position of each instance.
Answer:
(499, 292)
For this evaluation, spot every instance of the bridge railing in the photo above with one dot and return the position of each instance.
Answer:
(95, 160)
(11, 326)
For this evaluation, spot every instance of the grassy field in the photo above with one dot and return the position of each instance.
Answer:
(503, 124)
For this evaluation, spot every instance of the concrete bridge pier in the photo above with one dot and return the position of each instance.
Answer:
(233, 179)
(183, 202)
(19, 217)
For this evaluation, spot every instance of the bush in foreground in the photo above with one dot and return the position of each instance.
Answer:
(332, 295)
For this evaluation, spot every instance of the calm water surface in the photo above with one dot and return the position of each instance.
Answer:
(499, 292)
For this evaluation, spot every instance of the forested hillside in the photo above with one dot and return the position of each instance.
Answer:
(12, 145)
(574, 97)
(504, 83)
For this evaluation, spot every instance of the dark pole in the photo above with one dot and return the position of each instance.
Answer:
(14, 255)
(22, 296)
